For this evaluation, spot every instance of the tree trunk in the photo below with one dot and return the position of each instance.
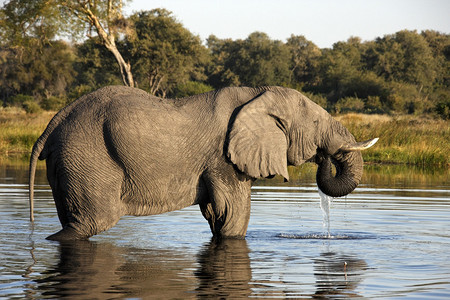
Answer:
(108, 39)
(125, 68)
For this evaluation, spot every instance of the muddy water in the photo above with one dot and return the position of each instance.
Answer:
(390, 239)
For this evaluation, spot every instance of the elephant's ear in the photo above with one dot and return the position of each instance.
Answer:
(257, 142)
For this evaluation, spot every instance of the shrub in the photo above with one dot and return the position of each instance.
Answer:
(190, 88)
(373, 105)
(53, 103)
(402, 97)
(317, 98)
(18, 100)
(78, 91)
(349, 104)
(31, 107)
(443, 109)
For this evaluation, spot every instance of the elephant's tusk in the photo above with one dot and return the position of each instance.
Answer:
(359, 146)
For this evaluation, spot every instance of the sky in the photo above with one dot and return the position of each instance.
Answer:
(324, 22)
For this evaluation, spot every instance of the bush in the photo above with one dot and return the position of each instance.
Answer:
(18, 100)
(79, 90)
(31, 107)
(373, 105)
(443, 109)
(402, 97)
(441, 100)
(317, 98)
(53, 103)
(190, 88)
(348, 104)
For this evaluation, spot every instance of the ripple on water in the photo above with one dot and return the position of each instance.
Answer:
(326, 236)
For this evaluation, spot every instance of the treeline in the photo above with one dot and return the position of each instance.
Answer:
(406, 72)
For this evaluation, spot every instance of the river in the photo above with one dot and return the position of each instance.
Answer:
(388, 239)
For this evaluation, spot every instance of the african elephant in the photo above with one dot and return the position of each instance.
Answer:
(121, 151)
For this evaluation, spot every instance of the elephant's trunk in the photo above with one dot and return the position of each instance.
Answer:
(349, 168)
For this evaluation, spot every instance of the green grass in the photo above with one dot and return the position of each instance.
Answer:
(19, 131)
(403, 139)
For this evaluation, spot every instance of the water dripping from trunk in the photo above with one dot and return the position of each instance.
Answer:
(325, 203)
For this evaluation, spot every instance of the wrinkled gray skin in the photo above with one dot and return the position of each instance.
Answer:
(120, 151)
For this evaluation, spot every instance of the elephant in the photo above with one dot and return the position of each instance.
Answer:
(121, 151)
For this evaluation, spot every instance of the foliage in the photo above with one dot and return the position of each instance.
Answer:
(22, 20)
(255, 61)
(53, 103)
(18, 100)
(95, 67)
(405, 72)
(349, 104)
(304, 61)
(191, 88)
(164, 53)
(31, 107)
(407, 139)
(40, 72)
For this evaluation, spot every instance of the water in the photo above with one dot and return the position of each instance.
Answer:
(389, 239)
(325, 203)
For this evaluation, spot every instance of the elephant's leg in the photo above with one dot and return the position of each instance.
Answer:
(83, 221)
(68, 233)
(87, 218)
(228, 207)
(86, 205)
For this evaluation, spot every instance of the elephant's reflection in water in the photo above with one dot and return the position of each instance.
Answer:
(98, 270)
(221, 270)
(224, 270)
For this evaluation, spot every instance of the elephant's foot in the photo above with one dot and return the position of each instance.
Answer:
(67, 234)
(220, 236)
(233, 229)
(230, 225)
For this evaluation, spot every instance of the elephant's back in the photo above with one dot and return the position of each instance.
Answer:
(81, 121)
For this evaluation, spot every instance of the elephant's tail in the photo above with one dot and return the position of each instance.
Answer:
(36, 153)
(39, 151)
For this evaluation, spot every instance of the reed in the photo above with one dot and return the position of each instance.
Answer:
(403, 139)
(19, 131)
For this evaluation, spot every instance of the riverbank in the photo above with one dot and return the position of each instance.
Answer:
(403, 139)
(19, 131)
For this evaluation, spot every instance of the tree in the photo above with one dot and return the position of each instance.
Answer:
(339, 68)
(163, 52)
(41, 71)
(95, 67)
(46, 18)
(263, 61)
(404, 56)
(220, 73)
(304, 61)
(255, 61)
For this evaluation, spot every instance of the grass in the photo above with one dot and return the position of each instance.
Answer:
(19, 131)
(403, 139)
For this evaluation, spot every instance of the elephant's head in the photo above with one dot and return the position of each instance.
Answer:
(280, 127)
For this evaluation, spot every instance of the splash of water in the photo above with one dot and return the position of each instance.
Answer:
(325, 202)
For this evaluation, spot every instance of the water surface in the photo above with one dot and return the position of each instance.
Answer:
(389, 239)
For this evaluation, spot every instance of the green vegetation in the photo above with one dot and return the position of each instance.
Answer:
(406, 73)
(405, 139)
(19, 131)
